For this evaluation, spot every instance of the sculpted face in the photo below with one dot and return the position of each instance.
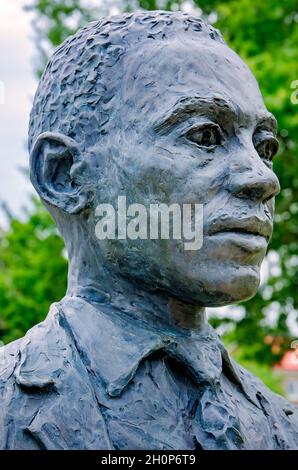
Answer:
(192, 128)
(177, 121)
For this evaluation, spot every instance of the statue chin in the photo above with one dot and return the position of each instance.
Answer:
(230, 286)
(236, 288)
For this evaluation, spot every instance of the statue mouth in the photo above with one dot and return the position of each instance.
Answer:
(245, 227)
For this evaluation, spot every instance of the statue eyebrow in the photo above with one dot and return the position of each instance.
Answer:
(215, 106)
(186, 107)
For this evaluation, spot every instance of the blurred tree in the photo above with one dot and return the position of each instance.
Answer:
(265, 34)
(55, 21)
(32, 271)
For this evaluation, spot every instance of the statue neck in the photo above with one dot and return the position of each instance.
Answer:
(90, 279)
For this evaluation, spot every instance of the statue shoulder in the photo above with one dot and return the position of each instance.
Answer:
(31, 366)
(35, 359)
(282, 414)
(9, 358)
(38, 375)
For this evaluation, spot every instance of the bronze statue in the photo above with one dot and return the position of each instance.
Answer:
(153, 106)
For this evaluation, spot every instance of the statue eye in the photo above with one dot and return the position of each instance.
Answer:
(266, 145)
(208, 135)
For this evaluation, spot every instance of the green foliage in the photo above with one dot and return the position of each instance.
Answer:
(265, 34)
(32, 272)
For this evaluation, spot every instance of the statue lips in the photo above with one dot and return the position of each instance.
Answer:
(251, 233)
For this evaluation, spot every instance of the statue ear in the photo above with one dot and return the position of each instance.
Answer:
(54, 165)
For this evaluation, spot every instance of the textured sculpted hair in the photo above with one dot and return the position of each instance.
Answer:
(76, 94)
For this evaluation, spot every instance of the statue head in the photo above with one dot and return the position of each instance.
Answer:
(154, 106)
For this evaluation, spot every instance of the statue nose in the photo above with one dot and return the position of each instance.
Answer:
(259, 184)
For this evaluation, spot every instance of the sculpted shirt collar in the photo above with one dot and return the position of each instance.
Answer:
(113, 345)
(83, 354)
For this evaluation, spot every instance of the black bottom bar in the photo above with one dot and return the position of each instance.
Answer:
(136, 459)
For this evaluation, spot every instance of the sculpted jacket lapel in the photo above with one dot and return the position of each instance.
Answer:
(67, 414)
(220, 422)
(216, 424)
